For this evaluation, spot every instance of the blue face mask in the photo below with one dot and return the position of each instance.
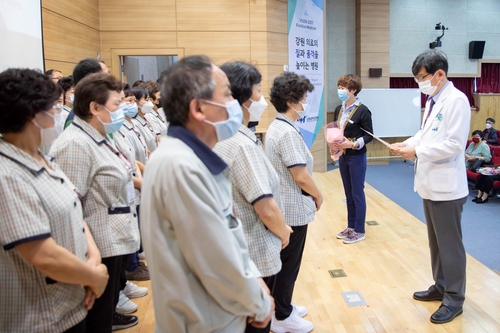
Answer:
(117, 118)
(72, 98)
(343, 95)
(129, 110)
(227, 128)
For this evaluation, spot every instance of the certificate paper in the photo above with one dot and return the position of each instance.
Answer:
(379, 139)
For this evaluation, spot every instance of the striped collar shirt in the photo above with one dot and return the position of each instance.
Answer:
(37, 203)
(104, 178)
(285, 148)
(253, 178)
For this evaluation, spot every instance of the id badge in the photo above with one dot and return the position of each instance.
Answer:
(130, 193)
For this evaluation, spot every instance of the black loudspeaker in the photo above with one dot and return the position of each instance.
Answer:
(476, 49)
(375, 72)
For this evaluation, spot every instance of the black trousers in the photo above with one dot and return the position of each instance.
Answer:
(291, 258)
(78, 328)
(270, 282)
(485, 183)
(100, 317)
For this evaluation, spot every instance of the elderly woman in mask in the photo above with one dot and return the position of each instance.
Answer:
(96, 163)
(48, 253)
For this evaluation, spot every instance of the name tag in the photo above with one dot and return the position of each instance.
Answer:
(130, 193)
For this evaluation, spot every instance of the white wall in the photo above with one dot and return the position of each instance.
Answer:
(340, 45)
(412, 29)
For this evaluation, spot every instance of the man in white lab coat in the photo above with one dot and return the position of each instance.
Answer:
(440, 179)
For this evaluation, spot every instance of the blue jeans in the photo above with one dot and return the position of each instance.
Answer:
(353, 172)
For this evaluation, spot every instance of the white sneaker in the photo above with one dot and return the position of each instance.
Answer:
(132, 290)
(301, 310)
(294, 324)
(125, 305)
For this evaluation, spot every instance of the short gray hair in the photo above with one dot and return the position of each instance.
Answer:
(190, 78)
(432, 61)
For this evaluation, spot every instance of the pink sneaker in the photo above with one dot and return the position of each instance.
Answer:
(354, 237)
(344, 233)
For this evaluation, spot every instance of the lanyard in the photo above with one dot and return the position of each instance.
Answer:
(292, 126)
(349, 116)
(120, 155)
(257, 140)
(152, 130)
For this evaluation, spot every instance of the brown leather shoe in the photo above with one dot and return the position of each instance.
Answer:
(141, 273)
(431, 294)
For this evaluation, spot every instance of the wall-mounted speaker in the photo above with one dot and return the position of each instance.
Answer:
(476, 49)
(375, 72)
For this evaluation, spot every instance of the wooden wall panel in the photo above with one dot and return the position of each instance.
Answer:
(214, 15)
(374, 15)
(84, 11)
(258, 15)
(489, 107)
(219, 46)
(318, 152)
(138, 15)
(65, 67)
(66, 40)
(267, 48)
(277, 16)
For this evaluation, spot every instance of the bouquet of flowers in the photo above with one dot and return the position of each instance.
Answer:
(334, 134)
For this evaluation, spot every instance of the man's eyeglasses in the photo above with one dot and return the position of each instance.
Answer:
(421, 78)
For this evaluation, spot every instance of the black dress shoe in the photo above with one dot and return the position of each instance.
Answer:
(476, 199)
(445, 314)
(122, 321)
(431, 294)
(480, 200)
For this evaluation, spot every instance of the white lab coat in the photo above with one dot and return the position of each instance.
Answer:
(439, 145)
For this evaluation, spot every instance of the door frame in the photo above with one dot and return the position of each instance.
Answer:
(116, 53)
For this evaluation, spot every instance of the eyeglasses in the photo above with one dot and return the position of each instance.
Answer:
(421, 78)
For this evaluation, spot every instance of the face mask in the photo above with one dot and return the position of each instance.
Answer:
(305, 109)
(227, 128)
(147, 107)
(257, 108)
(343, 95)
(129, 110)
(426, 87)
(72, 98)
(48, 135)
(116, 118)
(475, 140)
(488, 126)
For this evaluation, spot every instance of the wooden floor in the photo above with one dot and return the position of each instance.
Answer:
(386, 269)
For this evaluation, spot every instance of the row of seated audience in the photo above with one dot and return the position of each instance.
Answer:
(483, 151)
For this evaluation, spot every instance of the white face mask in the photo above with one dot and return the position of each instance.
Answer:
(426, 87)
(488, 126)
(48, 135)
(257, 108)
(147, 107)
(305, 110)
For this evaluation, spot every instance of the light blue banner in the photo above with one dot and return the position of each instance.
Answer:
(306, 57)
